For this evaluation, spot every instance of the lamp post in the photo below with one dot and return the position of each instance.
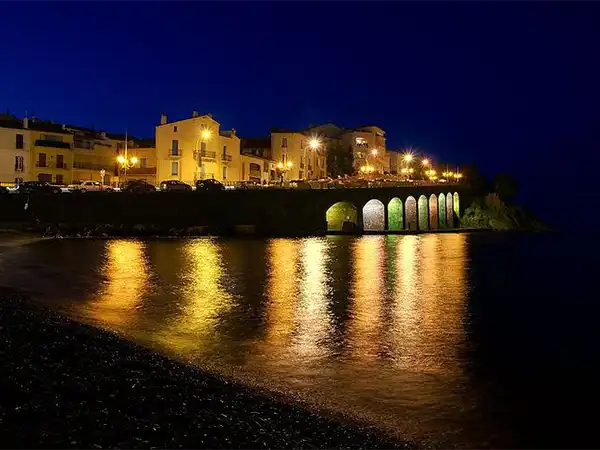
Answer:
(374, 154)
(102, 173)
(125, 161)
(313, 144)
(407, 170)
(205, 135)
(283, 168)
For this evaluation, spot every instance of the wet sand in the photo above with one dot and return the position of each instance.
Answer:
(70, 385)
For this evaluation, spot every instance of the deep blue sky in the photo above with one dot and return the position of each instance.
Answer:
(509, 86)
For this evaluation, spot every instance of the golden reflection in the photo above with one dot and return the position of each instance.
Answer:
(282, 289)
(313, 322)
(430, 295)
(202, 296)
(127, 274)
(368, 289)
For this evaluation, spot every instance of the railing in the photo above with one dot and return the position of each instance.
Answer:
(226, 157)
(175, 152)
(205, 154)
(53, 144)
(142, 171)
(91, 166)
(51, 165)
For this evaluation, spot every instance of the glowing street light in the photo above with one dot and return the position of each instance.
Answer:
(289, 164)
(314, 143)
(374, 152)
(206, 134)
(408, 157)
(425, 162)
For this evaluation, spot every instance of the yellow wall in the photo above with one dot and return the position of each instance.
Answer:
(189, 135)
(52, 154)
(250, 164)
(143, 171)
(8, 153)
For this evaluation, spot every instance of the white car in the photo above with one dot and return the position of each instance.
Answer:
(86, 186)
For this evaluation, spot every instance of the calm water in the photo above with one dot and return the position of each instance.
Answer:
(444, 340)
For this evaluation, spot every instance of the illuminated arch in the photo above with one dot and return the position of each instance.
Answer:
(423, 213)
(395, 215)
(442, 211)
(433, 212)
(339, 213)
(373, 216)
(449, 212)
(411, 213)
(456, 205)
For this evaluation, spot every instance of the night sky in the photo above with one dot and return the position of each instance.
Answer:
(508, 86)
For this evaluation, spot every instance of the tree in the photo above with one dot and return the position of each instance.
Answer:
(339, 160)
(476, 180)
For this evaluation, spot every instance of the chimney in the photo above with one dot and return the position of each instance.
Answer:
(163, 118)
(233, 131)
(25, 122)
(210, 115)
(103, 134)
(194, 113)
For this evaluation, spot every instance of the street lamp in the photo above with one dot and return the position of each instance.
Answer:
(205, 135)
(126, 163)
(314, 143)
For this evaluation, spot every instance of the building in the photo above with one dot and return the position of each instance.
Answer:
(301, 159)
(296, 159)
(51, 152)
(195, 149)
(15, 158)
(145, 167)
(257, 163)
(368, 147)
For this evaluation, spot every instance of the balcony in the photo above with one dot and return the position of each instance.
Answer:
(91, 166)
(52, 144)
(226, 158)
(205, 154)
(142, 171)
(175, 153)
(50, 165)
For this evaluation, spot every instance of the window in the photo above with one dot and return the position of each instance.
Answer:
(18, 181)
(143, 163)
(19, 142)
(265, 166)
(175, 168)
(59, 179)
(224, 172)
(175, 129)
(302, 143)
(203, 147)
(284, 141)
(19, 161)
(224, 150)
(175, 147)
(361, 142)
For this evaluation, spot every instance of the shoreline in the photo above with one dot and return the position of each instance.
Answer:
(83, 387)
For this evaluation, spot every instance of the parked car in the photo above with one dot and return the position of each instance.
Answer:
(174, 185)
(38, 187)
(88, 185)
(209, 185)
(138, 187)
(3, 190)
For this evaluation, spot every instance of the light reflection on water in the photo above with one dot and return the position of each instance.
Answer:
(371, 326)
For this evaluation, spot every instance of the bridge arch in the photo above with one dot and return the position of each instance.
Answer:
(433, 212)
(423, 213)
(411, 213)
(395, 215)
(456, 205)
(374, 216)
(340, 215)
(449, 211)
(442, 210)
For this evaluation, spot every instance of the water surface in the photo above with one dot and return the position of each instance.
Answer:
(444, 340)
